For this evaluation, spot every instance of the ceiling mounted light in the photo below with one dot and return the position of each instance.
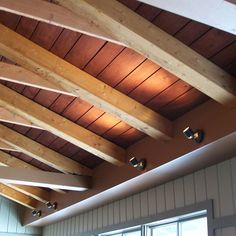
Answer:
(36, 213)
(197, 135)
(51, 205)
(139, 164)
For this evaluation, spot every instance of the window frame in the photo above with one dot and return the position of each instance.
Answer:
(144, 221)
(177, 221)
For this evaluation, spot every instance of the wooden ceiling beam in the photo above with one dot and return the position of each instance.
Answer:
(156, 44)
(53, 14)
(59, 126)
(7, 147)
(160, 47)
(18, 197)
(45, 179)
(9, 117)
(20, 75)
(9, 160)
(41, 153)
(34, 192)
(79, 83)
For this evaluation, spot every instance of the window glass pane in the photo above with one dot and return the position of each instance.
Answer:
(194, 227)
(165, 230)
(134, 233)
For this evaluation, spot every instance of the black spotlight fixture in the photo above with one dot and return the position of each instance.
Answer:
(197, 135)
(51, 205)
(139, 164)
(36, 213)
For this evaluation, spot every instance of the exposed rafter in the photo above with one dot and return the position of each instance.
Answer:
(9, 160)
(45, 179)
(79, 83)
(7, 116)
(41, 153)
(53, 14)
(17, 196)
(147, 39)
(34, 192)
(20, 75)
(7, 147)
(61, 127)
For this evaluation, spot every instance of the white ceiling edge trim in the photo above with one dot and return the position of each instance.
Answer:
(215, 152)
(220, 14)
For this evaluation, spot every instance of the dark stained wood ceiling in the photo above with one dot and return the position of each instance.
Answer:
(121, 68)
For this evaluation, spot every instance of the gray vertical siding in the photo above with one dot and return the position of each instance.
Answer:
(10, 220)
(217, 182)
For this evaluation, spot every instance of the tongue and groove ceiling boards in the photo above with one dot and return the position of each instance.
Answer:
(83, 83)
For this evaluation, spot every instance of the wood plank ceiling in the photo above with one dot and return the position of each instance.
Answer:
(121, 68)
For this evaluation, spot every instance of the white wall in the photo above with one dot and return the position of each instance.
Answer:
(10, 220)
(217, 182)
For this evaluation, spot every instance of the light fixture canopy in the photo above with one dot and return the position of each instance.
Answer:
(51, 205)
(36, 213)
(197, 135)
(139, 164)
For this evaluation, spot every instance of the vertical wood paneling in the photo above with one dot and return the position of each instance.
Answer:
(217, 182)
(200, 185)
(212, 188)
(85, 222)
(169, 194)
(69, 227)
(136, 206)
(77, 222)
(117, 212)
(64, 227)
(10, 223)
(49, 231)
(179, 192)
(4, 214)
(99, 217)
(122, 210)
(13, 219)
(73, 225)
(45, 230)
(144, 203)
(129, 208)
(152, 205)
(110, 214)
(95, 218)
(60, 229)
(81, 223)
(161, 203)
(225, 189)
(189, 191)
(54, 230)
(105, 216)
(90, 220)
(233, 174)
